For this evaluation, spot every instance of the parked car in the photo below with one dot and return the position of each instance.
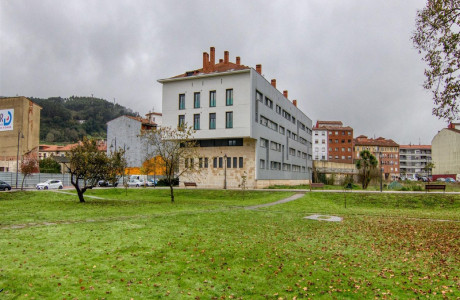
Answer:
(106, 183)
(135, 183)
(424, 179)
(152, 182)
(450, 179)
(441, 179)
(4, 186)
(50, 184)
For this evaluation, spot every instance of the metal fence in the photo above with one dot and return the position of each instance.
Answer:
(32, 180)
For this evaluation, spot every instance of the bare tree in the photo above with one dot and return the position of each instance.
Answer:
(174, 151)
(437, 37)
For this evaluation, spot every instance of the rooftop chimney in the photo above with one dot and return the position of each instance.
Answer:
(285, 94)
(205, 61)
(213, 57)
(221, 60)
(259, 69)
(273, 83)
(238, 60)
(294, 102)
(226, 54)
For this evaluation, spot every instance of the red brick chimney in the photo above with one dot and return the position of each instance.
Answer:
(205, 61)
(285, 94)
(226, 54)
(213, 57)
(273, 83)
(238, 60)
(259, 69)
(294, 102)
(221, 60)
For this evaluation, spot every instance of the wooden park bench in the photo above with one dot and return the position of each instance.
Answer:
(186, 184)
(435, 187)
(316, 185)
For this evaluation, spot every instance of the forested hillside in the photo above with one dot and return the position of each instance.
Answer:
(70, 119)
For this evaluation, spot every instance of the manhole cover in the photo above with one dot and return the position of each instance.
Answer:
(324, 218)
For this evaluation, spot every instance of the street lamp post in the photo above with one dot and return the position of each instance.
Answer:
(20, 135)
(225, 172)
(381, 170)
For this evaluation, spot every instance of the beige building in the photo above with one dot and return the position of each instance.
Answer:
(19, 131)
(445, 148)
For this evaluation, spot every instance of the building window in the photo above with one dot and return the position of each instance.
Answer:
(259, 96)
(212, 99)
(181, 101)
(278, 109)
(214, 163)
(263, 143)
(196, 100)
(200, 162)
(181, 122)
(262, 164)
(282, 130)
(292, 151)
(206, 162)
(229, 97)
(221, 160)
(235, 162)
(229, 162)
(196, 121)
(240, 162)
(268, 102)
(229, 119)
(212, 121)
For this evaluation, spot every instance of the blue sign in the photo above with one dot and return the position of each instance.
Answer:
(6, 119)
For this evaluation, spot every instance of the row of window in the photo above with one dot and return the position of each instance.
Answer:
(212, 120)
(275, 165)
(217, 162)
(277, 147)
(337, 157)
(337, 133)
(212, 99)
(278, 128)
(336, 141)
(269, 103)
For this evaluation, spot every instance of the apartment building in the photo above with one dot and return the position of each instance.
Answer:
(413, 160)
(243, 124)
(333, 142)
(385, 150)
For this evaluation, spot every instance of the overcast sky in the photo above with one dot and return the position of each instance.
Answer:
(342, 60)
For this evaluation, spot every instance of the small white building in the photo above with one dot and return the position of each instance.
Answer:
(125, 133)
(445, 148)
(244, 125)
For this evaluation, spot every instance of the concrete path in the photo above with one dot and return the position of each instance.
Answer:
(292, 198)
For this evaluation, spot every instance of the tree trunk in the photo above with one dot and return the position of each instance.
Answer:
(79, 191)
(22, 184)
(172, 192)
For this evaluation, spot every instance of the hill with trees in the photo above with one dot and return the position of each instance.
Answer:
(70, 119)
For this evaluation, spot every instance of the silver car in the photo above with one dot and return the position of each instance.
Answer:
(50, 184)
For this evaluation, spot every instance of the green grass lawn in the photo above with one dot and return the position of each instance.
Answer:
(206, 246)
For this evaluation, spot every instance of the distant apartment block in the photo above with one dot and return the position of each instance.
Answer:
(385, 150)
(446, 152)
(333, 142)
(243, 124)
(413, 160)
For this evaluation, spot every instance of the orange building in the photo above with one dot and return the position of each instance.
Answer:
(385, 150)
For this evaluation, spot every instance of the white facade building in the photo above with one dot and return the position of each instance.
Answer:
(320, 144)
(244, 125)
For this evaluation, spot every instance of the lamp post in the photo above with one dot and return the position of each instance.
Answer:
(381, 170)
(225, 172)
(20, 135)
